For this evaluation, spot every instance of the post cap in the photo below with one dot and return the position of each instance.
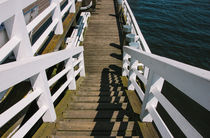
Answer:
(119, 1)
(127, 28)
(130, 38)
(134, 44)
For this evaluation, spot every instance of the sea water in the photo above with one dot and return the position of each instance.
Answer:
(177, 29)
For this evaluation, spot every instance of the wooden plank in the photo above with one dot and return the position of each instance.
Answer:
(104, 99)
(97, 106)
(91, 126)
(97, 93)
(93, 114)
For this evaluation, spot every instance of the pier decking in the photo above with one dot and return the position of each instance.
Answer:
(91, 74)
(102, 106)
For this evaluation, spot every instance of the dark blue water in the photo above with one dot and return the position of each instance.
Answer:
(177, 29)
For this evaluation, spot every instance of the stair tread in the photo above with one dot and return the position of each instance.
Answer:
(98, 93)
(97, 106)
(100, 99)
(93, 114)
(95, 126)
(81, 136)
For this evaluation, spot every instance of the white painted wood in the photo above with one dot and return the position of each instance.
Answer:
(125, 64)
(66, 8)
(30, 123)
(40, 17)
(57, 16)
(71, 74)
(39, 81)
(77, 61)
(58, 76)
(140, 76)
(78, 71)
(138, 89)
(82, 65)
(132, 74)
(181, 122)
(73, 8)
(31, 66)
(11, 7)
(60, 90)
(15, 109)
(190, 80)
(154, 82)
(8, 47)
(16, 27)
(164, 131)
(37, 45)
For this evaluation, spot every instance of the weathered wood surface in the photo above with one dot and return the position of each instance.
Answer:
(102, 106)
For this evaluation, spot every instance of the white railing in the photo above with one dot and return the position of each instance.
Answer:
(33, 68)
(77, 34)
(17, 30)
(131, 20)
(139, 38)
(192, 81)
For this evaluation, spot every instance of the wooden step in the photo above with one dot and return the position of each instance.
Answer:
(97, 93)
(103, 99)
(96, 134)
(95, 126)
(97, 106)
(97, 115)
(110, 88)
(68, 136)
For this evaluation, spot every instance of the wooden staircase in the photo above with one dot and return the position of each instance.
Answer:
(101, 107)
(102, 110)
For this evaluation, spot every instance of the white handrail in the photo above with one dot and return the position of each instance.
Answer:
(182, 76)
(190, 80)
(32, 68)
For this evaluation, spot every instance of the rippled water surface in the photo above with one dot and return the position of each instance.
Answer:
(178, 29)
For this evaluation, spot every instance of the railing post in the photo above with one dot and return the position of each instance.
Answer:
(57, 16)
(70, 74)
(132, 74)
(119, 7)
(155, 83)
(126, 30)
(40, 82)
(16, 26)
(125, 64)
(82, 64)
(73, 8)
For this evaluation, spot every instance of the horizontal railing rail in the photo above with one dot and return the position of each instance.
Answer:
(33, 68)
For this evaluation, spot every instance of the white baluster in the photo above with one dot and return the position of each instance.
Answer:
(57, 16)
(155, 83)
(73, 7)
(125, 64)
(70, 74)
(132, 74)
(82, 64)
